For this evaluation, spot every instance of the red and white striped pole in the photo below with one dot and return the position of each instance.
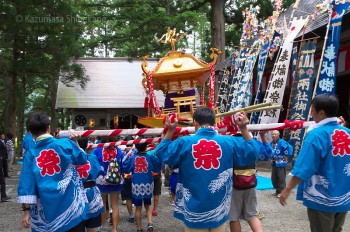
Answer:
(130, 142)
(125, 132)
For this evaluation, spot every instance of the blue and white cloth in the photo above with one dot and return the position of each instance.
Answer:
(279, 151)
(89, 172)
(141, 166)
(50, 182)
(28, 142)
(324, 166)
(205, 160)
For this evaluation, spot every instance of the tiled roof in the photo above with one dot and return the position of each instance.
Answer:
(304, 9)
(114, 83)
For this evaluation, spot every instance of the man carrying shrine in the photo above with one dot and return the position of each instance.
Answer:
(205, 161)
(50, 189)
(323, 164)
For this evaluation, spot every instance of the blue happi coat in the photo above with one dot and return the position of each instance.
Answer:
(89, 172)
(279, 153)
(141, 166)
(265, 150)
(51, 183)
(323, 164)
(104, 155)
(28, 142)
(205, 160)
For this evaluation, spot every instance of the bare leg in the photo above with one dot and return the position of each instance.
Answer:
(235, 226)
(104, 214)
(129, 206)
(138, 216)
(255, 224)
(114, 197)
(155, 202)
(149, 213)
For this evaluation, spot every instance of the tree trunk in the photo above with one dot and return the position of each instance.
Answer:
(10, 91)
(53, 93)
(218, 27)
(167, 6)
(20, 115)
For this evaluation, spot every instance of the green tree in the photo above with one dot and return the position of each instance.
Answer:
(37, 44)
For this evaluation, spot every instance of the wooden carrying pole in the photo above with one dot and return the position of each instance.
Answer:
(251, 109)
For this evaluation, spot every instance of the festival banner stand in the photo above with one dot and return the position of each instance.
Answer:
(326, 80)
(278, 79)
(261, 66)
(226, 81)
(243, 95)
(302, 88)
(234, 84)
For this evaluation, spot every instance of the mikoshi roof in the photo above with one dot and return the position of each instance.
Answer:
(114, 83)
(179, 71)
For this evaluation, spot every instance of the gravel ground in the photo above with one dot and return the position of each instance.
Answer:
(276, 218)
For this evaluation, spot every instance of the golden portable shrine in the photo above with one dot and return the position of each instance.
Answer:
(177, 75)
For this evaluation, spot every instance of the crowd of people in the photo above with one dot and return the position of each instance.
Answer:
(64, 186)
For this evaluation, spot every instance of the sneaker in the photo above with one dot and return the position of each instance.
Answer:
(155, 213)
(278, 195)
(5, 199)
(150, 227)
(131, 219)
(124, 202)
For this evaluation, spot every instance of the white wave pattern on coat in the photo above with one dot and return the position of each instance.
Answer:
(316, 191)
(183, 195)
(77, 207)
(38, 221)
(347, 169)
(37, 218)
(96, 204)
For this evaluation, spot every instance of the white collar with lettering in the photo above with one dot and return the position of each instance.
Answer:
(321, 123)
(42, 137)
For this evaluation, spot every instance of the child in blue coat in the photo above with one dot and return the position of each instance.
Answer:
(141, 164)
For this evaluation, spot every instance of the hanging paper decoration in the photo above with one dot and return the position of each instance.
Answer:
(302, 93)
(322, 8)
(250, 24)
(153, 103)
(211, 85)
(327, 76)
(275, 44)
(201, 98)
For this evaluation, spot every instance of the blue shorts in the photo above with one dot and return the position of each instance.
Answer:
(138, 202)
